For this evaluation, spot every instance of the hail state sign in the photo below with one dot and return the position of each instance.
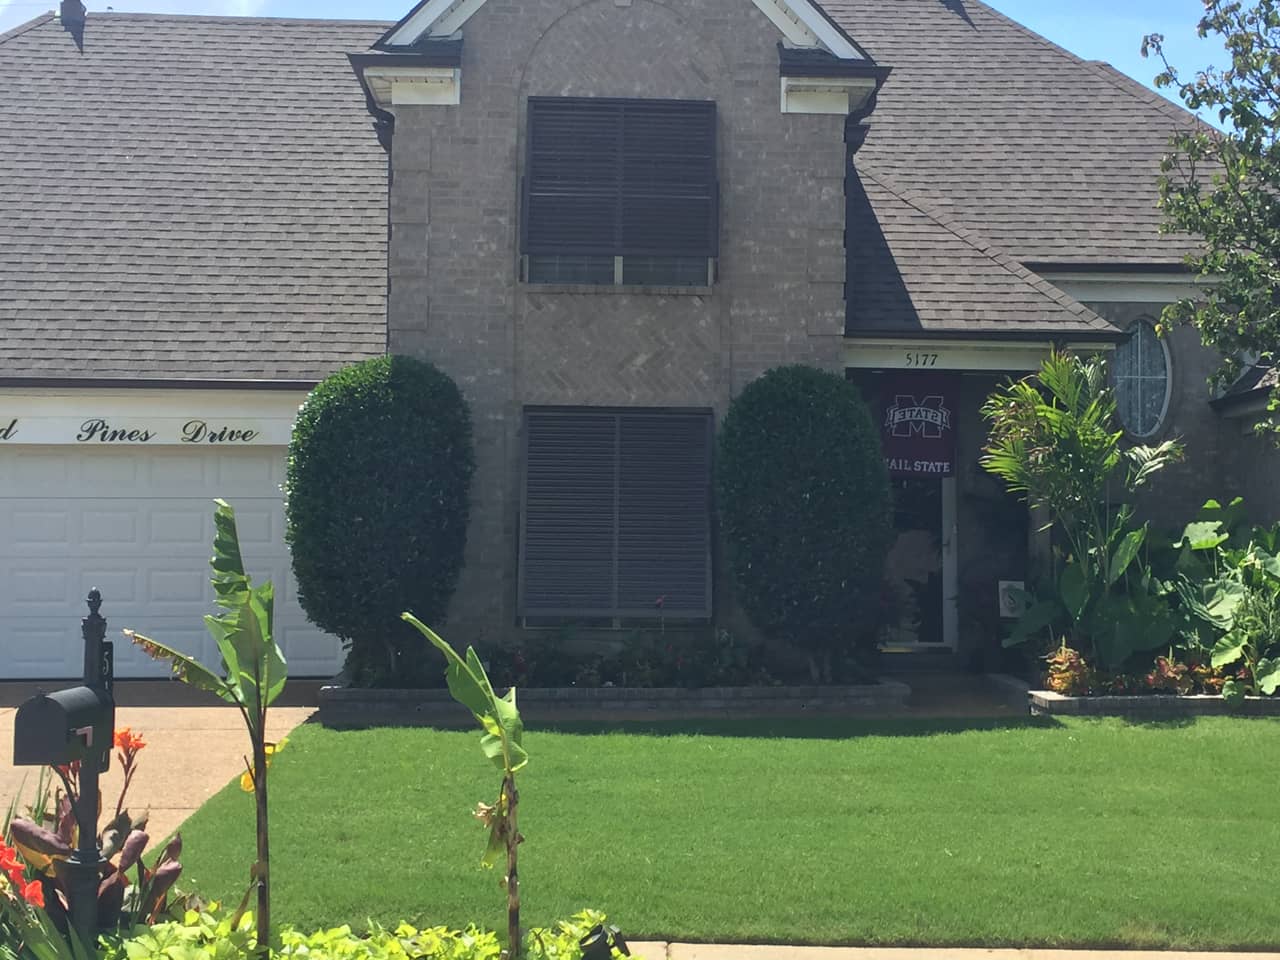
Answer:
(918, 424)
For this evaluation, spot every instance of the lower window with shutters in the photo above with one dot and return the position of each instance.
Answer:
(616, 515)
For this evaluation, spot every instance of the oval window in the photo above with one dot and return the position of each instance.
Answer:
(1142, 380)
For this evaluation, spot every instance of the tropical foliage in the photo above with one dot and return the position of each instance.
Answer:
(1228, 578)
(255, 673)
(206, 935)
(503, 744)
(1054, 440)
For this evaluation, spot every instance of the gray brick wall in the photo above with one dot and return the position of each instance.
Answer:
(454, 296)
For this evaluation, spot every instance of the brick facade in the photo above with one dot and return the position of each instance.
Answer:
(454, 296)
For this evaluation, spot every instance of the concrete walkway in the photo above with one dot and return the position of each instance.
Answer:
(195, 745)
(697, 951)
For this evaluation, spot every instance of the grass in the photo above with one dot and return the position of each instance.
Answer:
(1032, 833)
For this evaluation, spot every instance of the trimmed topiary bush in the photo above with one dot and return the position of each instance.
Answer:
(806, 514)
(376, 505)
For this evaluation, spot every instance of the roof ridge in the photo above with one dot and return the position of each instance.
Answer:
(1135, 88)
(988, 249)
(216, 18)
(1148, 96)
(20, 29)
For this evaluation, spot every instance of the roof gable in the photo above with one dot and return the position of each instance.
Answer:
(802, 23)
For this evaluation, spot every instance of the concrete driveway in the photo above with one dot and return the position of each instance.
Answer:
(195, 745)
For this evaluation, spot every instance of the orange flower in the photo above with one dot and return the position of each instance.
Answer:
(128, 741)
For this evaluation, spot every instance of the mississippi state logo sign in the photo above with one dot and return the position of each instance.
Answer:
(908, 417)
(918, 424)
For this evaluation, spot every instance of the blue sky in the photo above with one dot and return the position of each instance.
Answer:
(1110, 30)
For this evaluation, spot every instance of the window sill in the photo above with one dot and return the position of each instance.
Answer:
(591, 289)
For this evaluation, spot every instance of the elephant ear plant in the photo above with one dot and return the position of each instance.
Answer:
(255, 675)
(501, 743)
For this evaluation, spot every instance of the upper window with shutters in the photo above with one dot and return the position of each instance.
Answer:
(620, 192)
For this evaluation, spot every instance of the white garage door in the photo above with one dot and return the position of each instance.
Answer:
(138, 524)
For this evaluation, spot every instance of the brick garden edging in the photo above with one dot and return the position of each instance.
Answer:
(1154, 707)
(349, 707)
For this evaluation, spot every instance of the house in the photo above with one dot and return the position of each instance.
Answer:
(602, 218)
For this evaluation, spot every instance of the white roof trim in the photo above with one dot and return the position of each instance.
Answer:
(799, 20)
(802, 24)
(420, 23)
(1135, 287)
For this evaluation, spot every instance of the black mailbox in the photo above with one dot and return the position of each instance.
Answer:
(57, 728)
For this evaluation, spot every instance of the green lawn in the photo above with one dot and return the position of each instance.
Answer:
(1074, 833)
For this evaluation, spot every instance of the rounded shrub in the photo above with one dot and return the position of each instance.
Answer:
(806, 514)
(376, 506)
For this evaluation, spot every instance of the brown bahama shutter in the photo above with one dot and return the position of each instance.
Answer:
(620, 178)
(664, 527)
(616, 514)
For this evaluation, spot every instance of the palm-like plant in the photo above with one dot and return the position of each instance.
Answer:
(1053, 439)
(255, 675)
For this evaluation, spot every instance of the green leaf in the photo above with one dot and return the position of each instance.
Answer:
(229, 578)
(1126, 553)
(1074, 588)
(1203, 535)
(469, 685)
(1269, 564)
(1034, 619)
(184, 668)
(1226, 651)
(1233, 691)
(1267, 675)
(495, 848)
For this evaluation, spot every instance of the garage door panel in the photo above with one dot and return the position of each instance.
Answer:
(107, 472)
(181, 471)
(138, 524)
(35, 589)
(112, 526)
(308, 651)
(32, 527)
(48, 472)
(38, 649)
(245, 473)
(258, 527)
(118, 583)
(167, 588)
(167, 527)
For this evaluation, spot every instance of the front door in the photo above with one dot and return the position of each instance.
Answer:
(920, 573)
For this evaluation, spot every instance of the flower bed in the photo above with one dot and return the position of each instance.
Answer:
(1150, 706)
(351, 707)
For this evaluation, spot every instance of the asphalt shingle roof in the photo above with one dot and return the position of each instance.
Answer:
(913, 270)
(204, 197)
(188, 198)
(1052, 158)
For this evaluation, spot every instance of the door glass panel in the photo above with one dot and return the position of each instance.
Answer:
(913, 572)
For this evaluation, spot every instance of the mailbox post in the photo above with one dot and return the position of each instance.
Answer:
(77, 724)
